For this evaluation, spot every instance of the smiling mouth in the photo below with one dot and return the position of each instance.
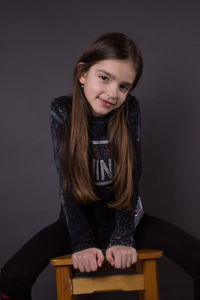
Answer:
(105, 101)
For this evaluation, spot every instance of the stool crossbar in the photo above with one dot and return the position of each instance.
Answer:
(144, 281)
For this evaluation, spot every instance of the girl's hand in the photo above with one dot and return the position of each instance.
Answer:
(121, 256)
(88, 260)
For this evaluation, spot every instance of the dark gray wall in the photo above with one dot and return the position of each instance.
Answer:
(40, 43)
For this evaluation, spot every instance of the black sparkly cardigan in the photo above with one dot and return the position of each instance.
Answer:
(96, 225)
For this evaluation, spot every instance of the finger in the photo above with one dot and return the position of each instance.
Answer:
(81, 267)
(80, 262)
(93, 263)
(109, 257)
(100, 258)
(74, 261)
(118, 259)
(129, 260)
(75, 265)
(86, 264)
(124, 258)
(135, 257)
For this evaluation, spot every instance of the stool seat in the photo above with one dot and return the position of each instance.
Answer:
(144, 281)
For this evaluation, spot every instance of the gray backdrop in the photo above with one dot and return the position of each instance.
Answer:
(40, 43)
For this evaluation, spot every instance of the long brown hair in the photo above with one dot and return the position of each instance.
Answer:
(74, 149)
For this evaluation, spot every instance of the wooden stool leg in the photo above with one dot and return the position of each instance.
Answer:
(139, 269)
(63, 280)
(151, 280)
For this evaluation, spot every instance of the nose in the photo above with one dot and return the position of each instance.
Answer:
(111, 91)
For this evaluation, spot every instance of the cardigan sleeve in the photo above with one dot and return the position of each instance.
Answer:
(123, 233)
(81, 233)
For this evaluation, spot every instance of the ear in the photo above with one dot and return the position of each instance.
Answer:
(82, 76)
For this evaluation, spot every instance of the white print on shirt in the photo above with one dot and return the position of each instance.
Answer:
(102, 163)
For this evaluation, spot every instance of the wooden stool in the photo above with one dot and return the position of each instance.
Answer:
(145, 281)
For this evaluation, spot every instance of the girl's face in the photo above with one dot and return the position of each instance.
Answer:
(107, 83)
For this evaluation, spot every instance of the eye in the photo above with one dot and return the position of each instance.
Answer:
(103, 77)
(124, 88)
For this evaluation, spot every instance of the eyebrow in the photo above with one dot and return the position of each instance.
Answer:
(113, 77)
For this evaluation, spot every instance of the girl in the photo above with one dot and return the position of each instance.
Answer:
(96, 142)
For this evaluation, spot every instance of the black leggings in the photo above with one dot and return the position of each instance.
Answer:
(20, 273)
